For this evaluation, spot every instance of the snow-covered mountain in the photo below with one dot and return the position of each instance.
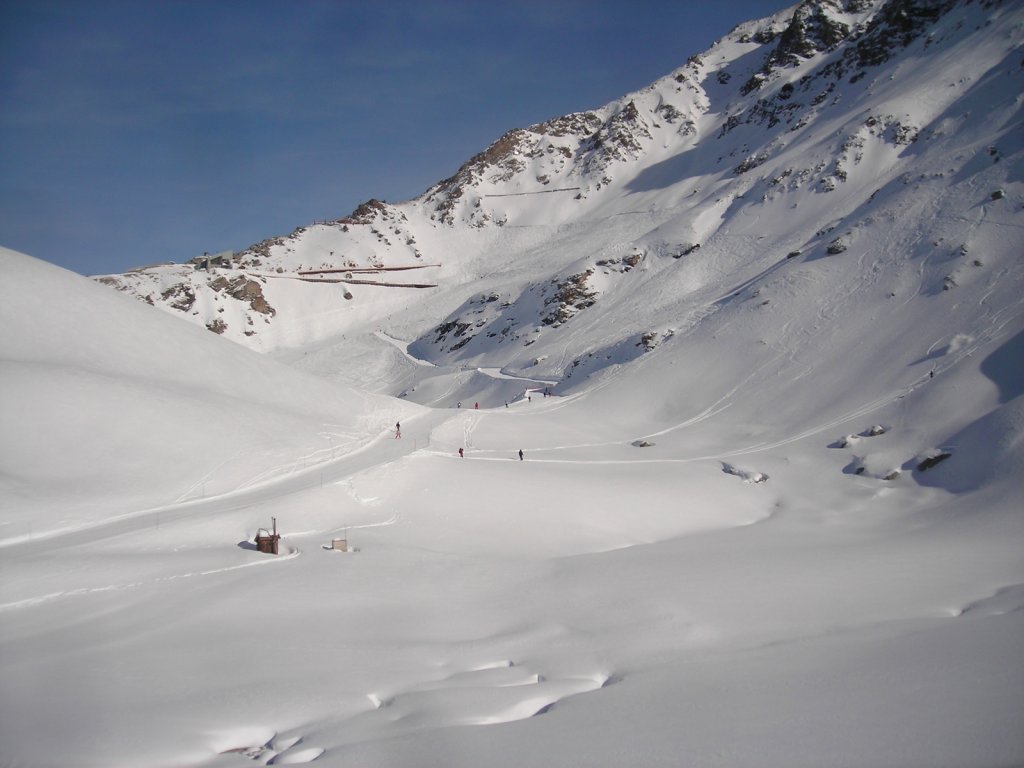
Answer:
(794, 137)
(771, 515)
(836, 184)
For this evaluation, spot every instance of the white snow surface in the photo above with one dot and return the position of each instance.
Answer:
(723, 545)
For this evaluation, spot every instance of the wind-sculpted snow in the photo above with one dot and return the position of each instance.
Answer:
(681, 431)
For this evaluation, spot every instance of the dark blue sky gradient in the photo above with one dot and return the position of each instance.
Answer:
(140, 131)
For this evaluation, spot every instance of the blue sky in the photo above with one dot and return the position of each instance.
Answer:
(140, 131)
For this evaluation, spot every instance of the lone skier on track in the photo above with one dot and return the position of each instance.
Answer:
(520, 454)
(398, 429)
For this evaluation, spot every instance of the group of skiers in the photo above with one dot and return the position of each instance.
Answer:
(529, 399)
(476, 406)
(462, 453)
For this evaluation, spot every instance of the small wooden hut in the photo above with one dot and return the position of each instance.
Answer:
(267, 541)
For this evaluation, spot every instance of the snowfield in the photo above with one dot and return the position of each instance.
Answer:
(769, 509)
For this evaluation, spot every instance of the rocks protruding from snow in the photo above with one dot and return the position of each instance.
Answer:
(648, 340)
(897, 24)
(180, 296)
(836, 246)
(244, 289)
(366, 213)
(619, 139)
(624, 264)
(744, 474)
(551, 144)
(815, 27)
(931, 461)
(569, 296)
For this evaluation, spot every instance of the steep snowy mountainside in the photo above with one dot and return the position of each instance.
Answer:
(601, 234)
(89, 375)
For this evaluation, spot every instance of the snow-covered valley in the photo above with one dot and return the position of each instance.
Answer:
(766, 379)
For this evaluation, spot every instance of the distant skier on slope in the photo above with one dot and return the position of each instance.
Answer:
(462, 455)
(398, 429)
(520, 454)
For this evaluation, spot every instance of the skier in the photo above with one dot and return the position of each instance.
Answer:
(461, 454)
(398, 429)
(477, 406)
(506, 403)
(520, 454)
(459, 405)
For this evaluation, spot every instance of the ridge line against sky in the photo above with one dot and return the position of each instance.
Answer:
(133, 133)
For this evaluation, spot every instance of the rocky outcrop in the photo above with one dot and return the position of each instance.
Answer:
(246, 290)
(569, 297)
(582, 143)
(366, 213)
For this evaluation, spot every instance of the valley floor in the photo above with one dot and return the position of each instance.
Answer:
(595, 603)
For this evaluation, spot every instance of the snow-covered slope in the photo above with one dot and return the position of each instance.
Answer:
(110, 408)
(771, 515)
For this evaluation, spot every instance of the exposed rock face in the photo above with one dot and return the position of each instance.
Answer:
(571, 295)
(250, 291)
(813, 29)
(244, 289)
(931, 461)
(508, 155)
(181, 297)
(366, 212)
(620, 138)
(897, 25)
(821, 26)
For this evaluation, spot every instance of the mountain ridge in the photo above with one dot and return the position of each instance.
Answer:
(829, 105)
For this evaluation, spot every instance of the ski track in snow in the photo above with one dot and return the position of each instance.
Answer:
(30, 602)
(369, 454)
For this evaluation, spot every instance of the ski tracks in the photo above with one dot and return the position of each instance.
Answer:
(30, 602)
